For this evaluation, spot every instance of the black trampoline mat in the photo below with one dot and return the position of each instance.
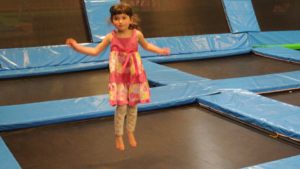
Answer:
(53, 87)
(176, 138)
(234, 66)
(38, 23)
(291, 97)
(277, 14)
(163, 18)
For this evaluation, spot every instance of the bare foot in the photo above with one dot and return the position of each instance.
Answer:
(131, 139)
(119, 143)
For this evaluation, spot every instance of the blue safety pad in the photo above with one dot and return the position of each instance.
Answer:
(286, 163)
(7, 160)
(175, 95)
(259, 84)
(19, 62)
(200, 55)
(256, 110)
(43, 113)
(240, 16)
(279, 52)
(274, 37)
(52, 70)
(184, 91)
(98, 15)
(200, 43)
(163, 75)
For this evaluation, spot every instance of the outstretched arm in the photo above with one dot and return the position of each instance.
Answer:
(93, 51)
(151, 47)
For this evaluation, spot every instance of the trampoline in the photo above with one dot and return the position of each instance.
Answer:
(193, 138)
(31, 23)
(53, 87)
(190, 17)
(277, 14)
(205, 111)
(291, 96)
(235, 66)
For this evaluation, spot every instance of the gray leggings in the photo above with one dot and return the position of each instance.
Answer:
(131, 115)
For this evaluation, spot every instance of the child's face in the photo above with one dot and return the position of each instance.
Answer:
(121, 21)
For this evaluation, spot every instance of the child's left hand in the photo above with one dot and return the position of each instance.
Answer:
(164, 51)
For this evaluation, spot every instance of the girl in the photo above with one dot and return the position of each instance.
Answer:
(128, 84)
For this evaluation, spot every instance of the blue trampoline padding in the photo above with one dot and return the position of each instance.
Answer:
(163, 75)
(19, 62)
(285, 163)
(52, 70)
(274, 37)
(35, 114)
(47, 56)
(98, 15)
(200, 55)
(259, 84)
(240, 16)
(200, 43)
(7, 160)
(43, 113)
(279, 53)
(256, 110)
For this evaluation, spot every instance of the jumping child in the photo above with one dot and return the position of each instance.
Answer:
(128, 83)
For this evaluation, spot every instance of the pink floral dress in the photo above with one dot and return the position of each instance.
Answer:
(127, 80)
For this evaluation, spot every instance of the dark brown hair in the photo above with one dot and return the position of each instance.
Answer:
(123, 8)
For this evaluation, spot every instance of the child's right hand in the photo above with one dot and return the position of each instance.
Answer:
(71, 42)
